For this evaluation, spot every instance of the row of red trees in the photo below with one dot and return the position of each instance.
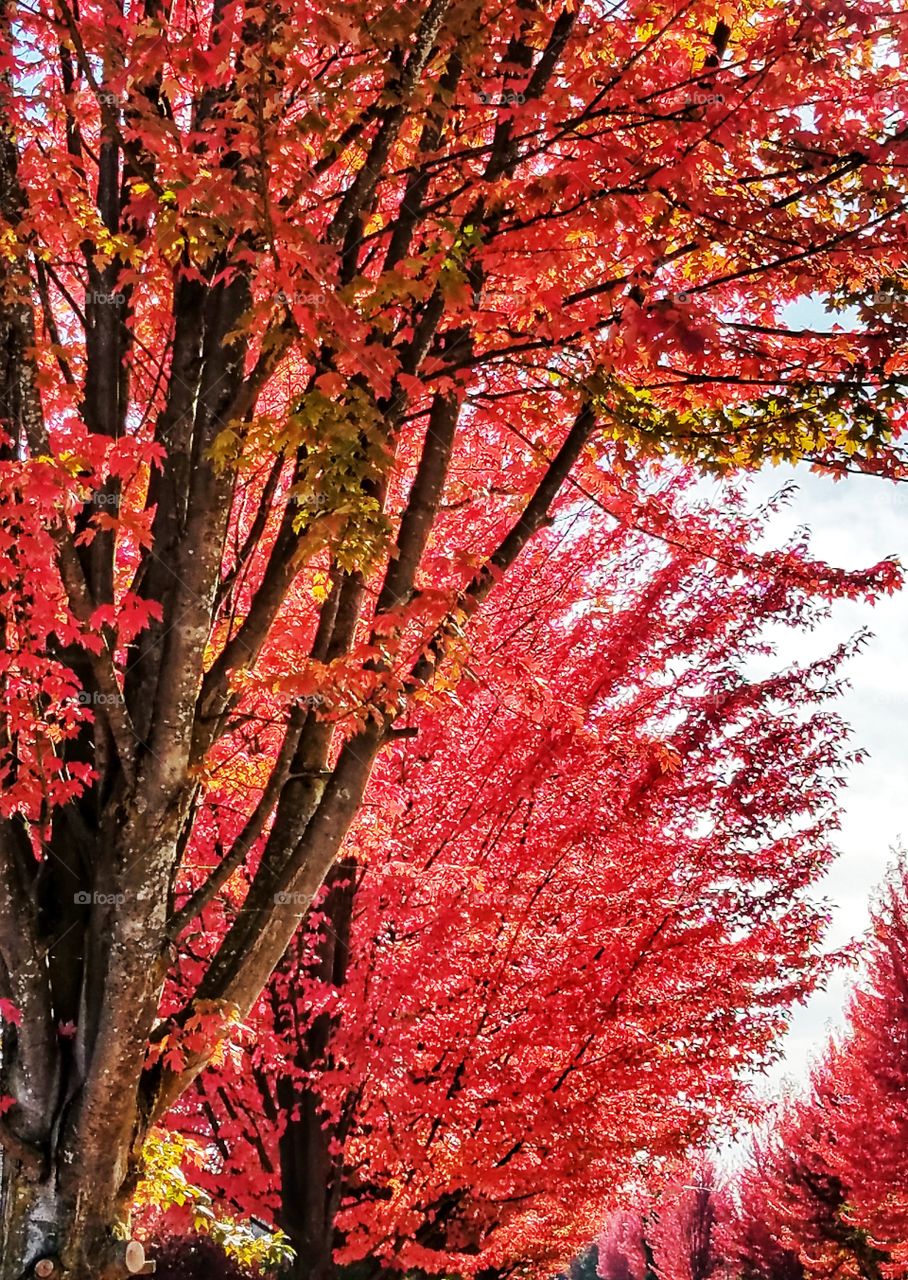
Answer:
(830, 1183)
(573, 915)
(825, 1191)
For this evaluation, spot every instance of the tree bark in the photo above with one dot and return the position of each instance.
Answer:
(47, 1217)
(311, 1179)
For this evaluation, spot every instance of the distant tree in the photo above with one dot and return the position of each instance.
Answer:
(685, 1233)
(798, 1181)
(750, 1239)
(870, 1148)
(622, 1246)
(826, 1191)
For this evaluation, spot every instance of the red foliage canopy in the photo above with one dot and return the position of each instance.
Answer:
(582, 905)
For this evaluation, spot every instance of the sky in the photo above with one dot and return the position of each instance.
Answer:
(854, 523)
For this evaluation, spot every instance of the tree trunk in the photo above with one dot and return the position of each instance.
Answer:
(64, 1206)
(311, 1178)
(306, 1184)
(45, 1220)
(29, 1223)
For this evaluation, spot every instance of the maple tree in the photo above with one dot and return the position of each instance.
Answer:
(870, 1072)
(622, 1250)
(827, 1186)
(511, 984)
(686, 1236)
(678, 1232)
(822, 1192)
(804, 1197)
(308, 313)
(752, 1244)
